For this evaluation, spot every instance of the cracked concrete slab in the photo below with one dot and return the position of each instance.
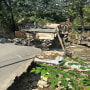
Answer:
(14, 60)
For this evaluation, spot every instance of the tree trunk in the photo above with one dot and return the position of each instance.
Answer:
(12, 17)
(9, 6)
(82, 25)
(12, 21)
(81, 18)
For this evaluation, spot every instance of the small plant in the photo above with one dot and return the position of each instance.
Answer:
(70, 79)
(75, 30)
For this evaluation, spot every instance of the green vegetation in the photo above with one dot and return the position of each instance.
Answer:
(15, 12)
(77, 22)
(68, 77)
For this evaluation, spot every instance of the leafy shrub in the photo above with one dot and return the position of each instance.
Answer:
(68, 77)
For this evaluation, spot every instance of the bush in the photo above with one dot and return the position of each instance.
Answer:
(67, 77)
(78, 22)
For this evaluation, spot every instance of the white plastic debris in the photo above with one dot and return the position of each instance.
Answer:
(49, 60)
(76, 66)
(73, 66)
(87, 70)
(61, 58)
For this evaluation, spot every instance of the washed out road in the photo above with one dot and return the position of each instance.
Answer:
(14, 60)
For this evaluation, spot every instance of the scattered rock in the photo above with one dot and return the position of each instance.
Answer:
(68, 53)
(2, 40)
(8, 40)
(34, 89)
(42, 84)
(67, 79)
(58, 88)
(24, 42)
(44, 78)
(39, 56)
(52, 54)
(69, 85)
(16, 41)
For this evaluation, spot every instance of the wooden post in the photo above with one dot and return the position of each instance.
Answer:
(60, 40)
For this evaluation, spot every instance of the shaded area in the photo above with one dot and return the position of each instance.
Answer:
(27, 81)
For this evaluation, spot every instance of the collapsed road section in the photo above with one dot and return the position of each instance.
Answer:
(47, 36)
(14, 60)
(40, 37)
(46, 64)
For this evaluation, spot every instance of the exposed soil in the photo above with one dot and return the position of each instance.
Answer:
(80, 51)
(28, 80)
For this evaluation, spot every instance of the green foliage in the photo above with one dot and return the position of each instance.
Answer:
(75, 30)
(85, 82)
(88, 72)
(75, 85)
(76, 60)
(67, 78)
(54, 82)
(14, 12)
(70, 63)
(65, 67)
(83, 68)
(64, 83)
(64, 60)
(69, 59)
(77, 20)
(45, 69)
(87, 88)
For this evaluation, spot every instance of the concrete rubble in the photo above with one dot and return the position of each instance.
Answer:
(44, 40)
(42, 83)
(70, 38)
(50, 58)
(46, 36)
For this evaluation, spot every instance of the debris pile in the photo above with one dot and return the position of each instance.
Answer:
(56, 57)
(70, 38)
(44, 44)
(32, 81)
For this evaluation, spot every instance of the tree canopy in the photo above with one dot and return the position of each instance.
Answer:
(14, 12)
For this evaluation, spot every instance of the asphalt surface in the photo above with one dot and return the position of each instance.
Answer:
(14, 60)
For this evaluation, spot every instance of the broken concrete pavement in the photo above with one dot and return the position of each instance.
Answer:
(14, 60)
